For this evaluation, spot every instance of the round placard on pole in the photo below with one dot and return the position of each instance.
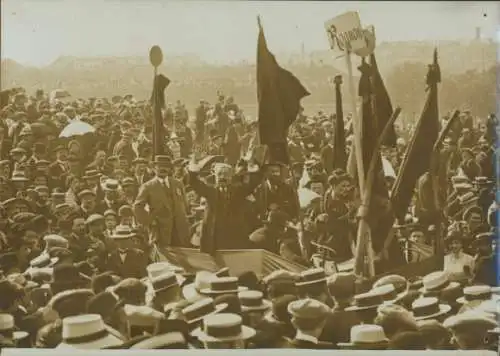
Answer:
(155, 56)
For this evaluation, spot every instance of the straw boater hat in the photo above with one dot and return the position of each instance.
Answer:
(158, 268)
(223, 327)
(311, 276)
(43, 261)
(164, 281)
(122, 232)
(111, 185)
(400, 284)
(366, 336)
(365, 301)
(387, 292)
(19, 176)
(478, 293)
(8, 329)
(253, 301)
(437, 282)
(192, 291)
(171, 340)
(428, 308)
(87, 332)
(223, 285)
(200, 309)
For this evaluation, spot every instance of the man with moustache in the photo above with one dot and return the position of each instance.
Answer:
(224, 225)
(167, 207)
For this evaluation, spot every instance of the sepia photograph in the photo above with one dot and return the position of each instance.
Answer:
(194, 175)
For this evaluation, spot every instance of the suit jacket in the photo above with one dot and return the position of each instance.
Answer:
(167, 209)
(327, 158)
(224, 224)
(284, 195)
(134, 265)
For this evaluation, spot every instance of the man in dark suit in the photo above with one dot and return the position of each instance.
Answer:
(309, 318)
(126, 261)
(327, 156)
(58, 170)
(141, 173)
(224, 224)
(274, 191)
(165, 198)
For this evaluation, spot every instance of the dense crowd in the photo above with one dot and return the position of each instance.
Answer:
(87, 210)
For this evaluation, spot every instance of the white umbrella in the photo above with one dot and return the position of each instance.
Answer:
(76, 128)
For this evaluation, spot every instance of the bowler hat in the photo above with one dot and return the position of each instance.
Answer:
(162, 160)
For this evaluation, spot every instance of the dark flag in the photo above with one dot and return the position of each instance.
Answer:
(419, 152)
(158, 102)
(339, 151)
(4, 98)
(278, 93)
(383, 105)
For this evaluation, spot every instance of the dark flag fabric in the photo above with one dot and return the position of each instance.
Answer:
(339, 149)
(278, 93)
(158, 102)
(383, 105)
(419, 152)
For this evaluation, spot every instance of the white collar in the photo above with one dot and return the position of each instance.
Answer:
(304, 337)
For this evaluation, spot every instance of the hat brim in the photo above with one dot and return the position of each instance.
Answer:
(190, 293)
(266, 305)
(357, 308)
(19, 335)
(208, 291)
(306, 283)
(108, 341)
(443, 309)
(367, 345)
(450, 286)
(218, 308)
(246, 333)
(19, 179)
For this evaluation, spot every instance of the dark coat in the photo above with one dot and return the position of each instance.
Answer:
(224, 224)
(284, 195)
(167, 210)
(327, 155)
(134, 265)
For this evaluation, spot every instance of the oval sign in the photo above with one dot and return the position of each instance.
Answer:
(155, 56)
(370, 41)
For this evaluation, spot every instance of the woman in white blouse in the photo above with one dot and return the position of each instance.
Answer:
(457, 264)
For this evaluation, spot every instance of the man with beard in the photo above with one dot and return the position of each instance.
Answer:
(224, 225)
(274, 191)
(340, 213)
(166, 201)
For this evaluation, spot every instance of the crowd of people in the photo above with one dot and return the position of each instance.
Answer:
(84, 219)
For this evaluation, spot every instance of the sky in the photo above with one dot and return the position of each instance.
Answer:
(37, 32)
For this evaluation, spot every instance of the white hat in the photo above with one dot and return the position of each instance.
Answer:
(436, 282)
(87, 332)
(366, 335)
(428, 308)
(7, 325)
(202, 308)
(158, 268)
(223, 285)
(253, 300)
(475, 293)
(191, 292)
(223, 327)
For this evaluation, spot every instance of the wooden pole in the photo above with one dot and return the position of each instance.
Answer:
(363, 245)
(356, 125)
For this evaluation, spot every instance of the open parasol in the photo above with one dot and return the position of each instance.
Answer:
(76, 128)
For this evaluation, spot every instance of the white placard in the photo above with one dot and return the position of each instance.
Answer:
(345, 32)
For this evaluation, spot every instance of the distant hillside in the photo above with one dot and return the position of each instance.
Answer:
(193, 79)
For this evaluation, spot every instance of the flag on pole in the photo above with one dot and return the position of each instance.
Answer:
(419, 152)
(339, 152)
(158, 102)
(383, 106)
(278, 93)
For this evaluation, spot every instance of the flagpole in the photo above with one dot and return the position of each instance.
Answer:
(355, 124)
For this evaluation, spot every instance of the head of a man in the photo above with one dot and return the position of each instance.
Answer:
(223, 174)
(163, 167)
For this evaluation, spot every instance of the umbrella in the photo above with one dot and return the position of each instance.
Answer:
(76, 128)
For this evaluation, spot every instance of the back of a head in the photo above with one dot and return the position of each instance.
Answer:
(407, 340)
(233, 303)
(280, 307)
(342, 286)
(395, 319)
(435, 334)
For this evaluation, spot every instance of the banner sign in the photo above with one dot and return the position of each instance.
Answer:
(345, 33)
